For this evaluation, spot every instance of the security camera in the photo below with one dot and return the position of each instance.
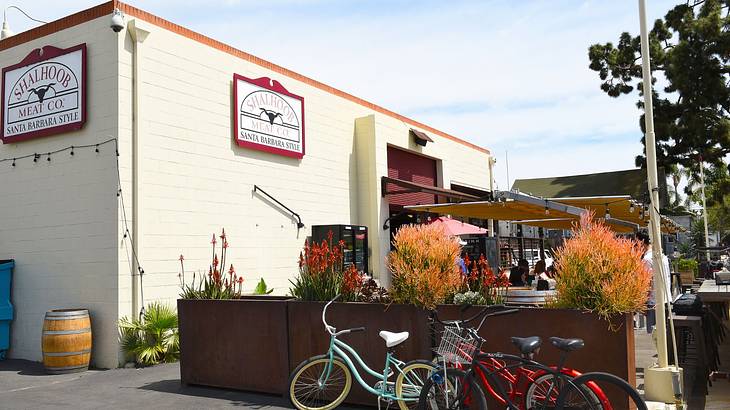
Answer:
(117, 23)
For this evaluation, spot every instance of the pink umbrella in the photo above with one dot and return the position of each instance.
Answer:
(457, 228)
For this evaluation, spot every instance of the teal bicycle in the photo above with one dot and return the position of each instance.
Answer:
(323, 382)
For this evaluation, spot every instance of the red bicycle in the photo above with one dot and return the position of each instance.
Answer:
(517, 382)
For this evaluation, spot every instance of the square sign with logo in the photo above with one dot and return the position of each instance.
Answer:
(268, 117)
(44, 94)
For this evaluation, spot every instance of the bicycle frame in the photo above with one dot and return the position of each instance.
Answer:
(341, 349)
(519, 363)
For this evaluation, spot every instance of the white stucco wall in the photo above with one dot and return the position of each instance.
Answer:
(196, 180)
(57, 219)
(63, 224)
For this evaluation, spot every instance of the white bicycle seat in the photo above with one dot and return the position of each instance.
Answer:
(393, 339)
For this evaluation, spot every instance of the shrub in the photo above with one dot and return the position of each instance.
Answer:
(687, 265)
(322, 274)
(152, 339)
(423, 264)
(600, 272)
(217, 284)
(469, 298)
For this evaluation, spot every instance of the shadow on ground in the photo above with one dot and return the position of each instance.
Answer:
(235, 398)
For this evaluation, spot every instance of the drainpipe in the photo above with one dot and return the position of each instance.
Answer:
(139, 34)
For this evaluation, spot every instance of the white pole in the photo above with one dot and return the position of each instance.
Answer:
(651, 169)
(704, 210)
(659, 381)
(506, 164)
(492, 161)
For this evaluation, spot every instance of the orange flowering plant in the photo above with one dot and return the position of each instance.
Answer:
(322, 274)
(600, 272)
(424, 266)
(218, 283)
(480, 278)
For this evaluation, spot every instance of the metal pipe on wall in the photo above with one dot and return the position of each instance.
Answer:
(139, 35)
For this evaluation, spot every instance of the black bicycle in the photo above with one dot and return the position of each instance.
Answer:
(515, 382)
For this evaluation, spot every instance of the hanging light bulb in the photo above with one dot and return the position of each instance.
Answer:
(631, 208)
(547, 210)
(608, 212)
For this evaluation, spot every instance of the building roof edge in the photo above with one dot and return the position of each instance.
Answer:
(107, 8)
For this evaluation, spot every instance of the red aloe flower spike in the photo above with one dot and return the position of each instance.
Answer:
(215, 261)
(214, 241)
(223, 233)
(182, 258)
(231, 270)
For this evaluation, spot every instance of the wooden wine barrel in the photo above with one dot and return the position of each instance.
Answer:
(66, 341)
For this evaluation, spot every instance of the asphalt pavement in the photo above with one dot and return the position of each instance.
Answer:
(24, 385)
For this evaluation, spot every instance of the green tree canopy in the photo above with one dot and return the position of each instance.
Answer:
(690, 46)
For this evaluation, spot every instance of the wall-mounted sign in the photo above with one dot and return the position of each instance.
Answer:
(268, 117)
(44, 94)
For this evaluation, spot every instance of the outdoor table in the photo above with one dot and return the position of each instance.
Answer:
(525, 296)
(718, 299)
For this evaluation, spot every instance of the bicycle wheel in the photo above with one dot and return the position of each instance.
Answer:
(410, 381)
(456, 391)
(617, 389)
(543, 393)
(310, 388)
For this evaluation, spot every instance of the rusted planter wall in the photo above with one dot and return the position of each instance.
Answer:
(307, 336)
(605, 350)
(227, 343)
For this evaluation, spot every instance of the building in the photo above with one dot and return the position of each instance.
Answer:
(197, 124)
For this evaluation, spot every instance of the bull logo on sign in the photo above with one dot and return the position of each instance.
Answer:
(40, 92)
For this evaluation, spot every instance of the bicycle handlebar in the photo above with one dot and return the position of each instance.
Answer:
(331, 329)
(484, 310)
(481, 313)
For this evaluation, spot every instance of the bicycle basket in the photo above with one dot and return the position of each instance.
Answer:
(456, 345)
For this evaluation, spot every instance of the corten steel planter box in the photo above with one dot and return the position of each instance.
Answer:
(240, 344)
(605, 350)
(307, 336)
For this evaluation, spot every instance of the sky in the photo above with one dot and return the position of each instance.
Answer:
(510, 76)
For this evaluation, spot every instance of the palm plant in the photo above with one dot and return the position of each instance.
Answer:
(152, 339)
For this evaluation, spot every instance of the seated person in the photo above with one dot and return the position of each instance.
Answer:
(545, 278)
(518, 274)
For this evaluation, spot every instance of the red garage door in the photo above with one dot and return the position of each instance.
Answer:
(411, 167)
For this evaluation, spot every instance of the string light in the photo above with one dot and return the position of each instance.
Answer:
(631, 208)
(608, 212)
(127, 236)
(547, 210)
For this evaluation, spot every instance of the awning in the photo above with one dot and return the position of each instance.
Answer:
(393, 186)
(621, 207)
(616, 225)
(522, 209)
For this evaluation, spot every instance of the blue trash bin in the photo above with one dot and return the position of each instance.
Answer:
(6, 308)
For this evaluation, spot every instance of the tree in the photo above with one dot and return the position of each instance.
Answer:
(690, 46)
